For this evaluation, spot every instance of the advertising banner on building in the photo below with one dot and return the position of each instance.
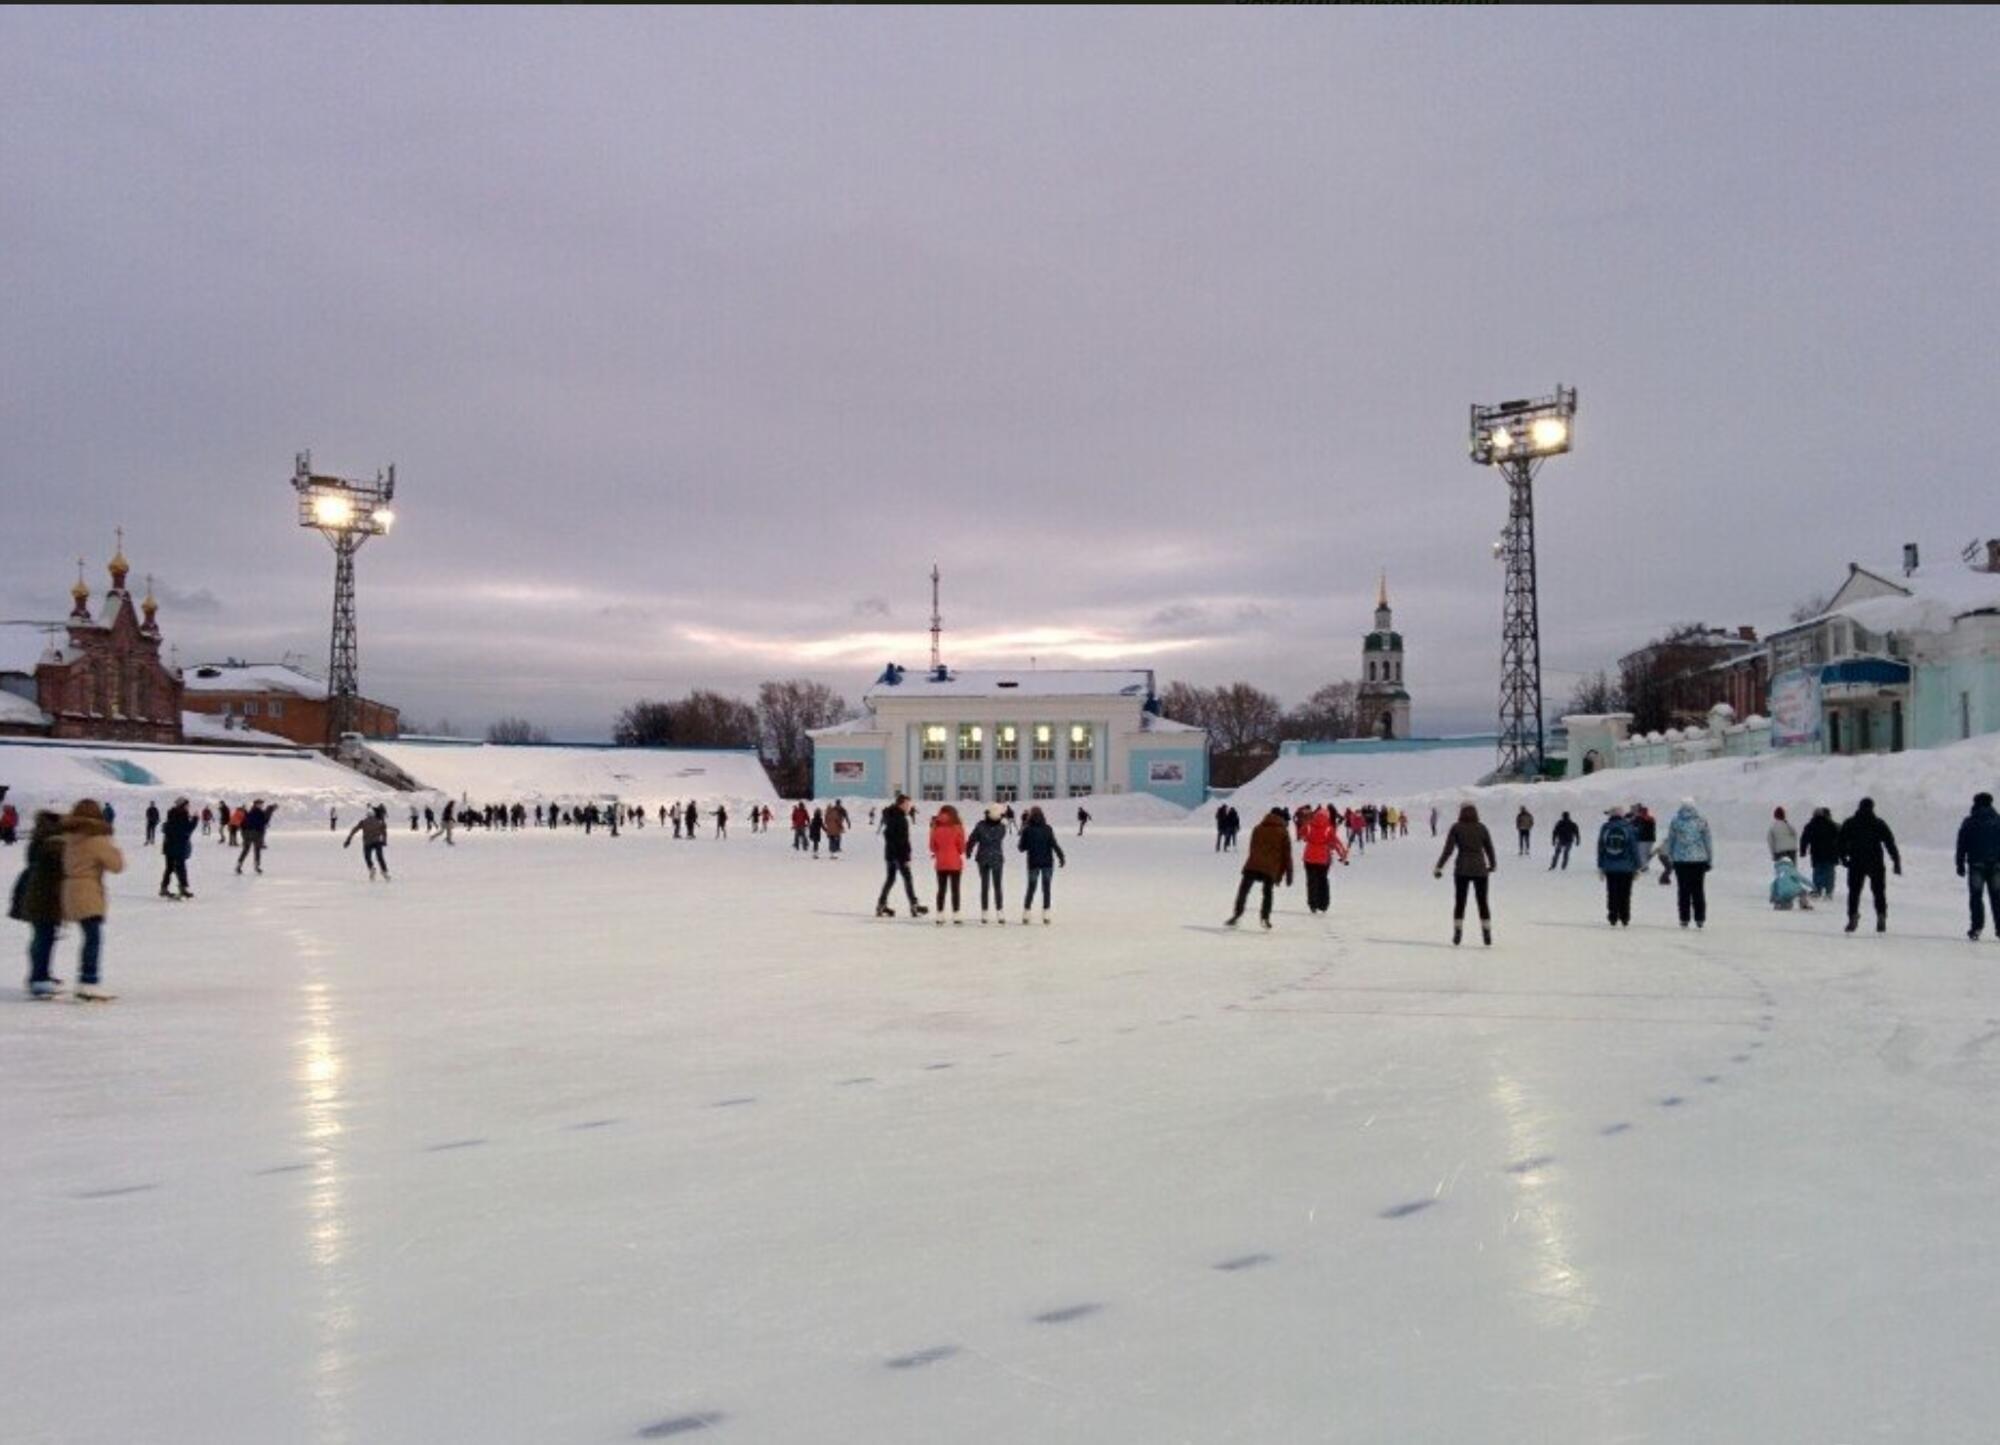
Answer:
(1795, 708)
(1157, 772)
(850, 770)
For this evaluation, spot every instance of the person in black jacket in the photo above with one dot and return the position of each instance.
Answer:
(1566, 836)
(1978, 859)
(177, 846)
(256, 820)
(896, 853)
(41, 902)
(1477, 862)
(1864, 839)
(1820, 843)
(987, 844)
(1038, 841)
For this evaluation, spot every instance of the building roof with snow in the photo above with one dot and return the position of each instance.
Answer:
(215, 728)
(1930, 599)
(900, 682)
(257, 677)
(19, 712)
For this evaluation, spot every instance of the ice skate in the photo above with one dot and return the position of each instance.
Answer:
(1852, 924)
(1265, 921)
(1881, 923)
(45, 988)
(957, 922)
(1457, 934)
(1045, 918)
(1486, 933)
(1027, 918)
(883, 910)
(93, 993)
(940, 923)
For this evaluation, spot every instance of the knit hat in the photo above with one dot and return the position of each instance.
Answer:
(993, 811)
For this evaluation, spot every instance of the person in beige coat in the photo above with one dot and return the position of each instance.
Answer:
(88, 854)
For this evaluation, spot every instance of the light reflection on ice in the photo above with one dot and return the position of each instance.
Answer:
(319, 1078)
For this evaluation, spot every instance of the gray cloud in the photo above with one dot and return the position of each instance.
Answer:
(1156, 329)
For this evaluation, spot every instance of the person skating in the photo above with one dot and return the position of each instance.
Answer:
(87, 855)
(801, 824)
(1864, 840)
(896, 855)
(374, 831)
(1434, 821)
(836, 824)
(1322, 846)
(1221, 826)
(1619, 864)
(256, 819)
(988, 847)
(1566, 835)
(1820, 845)
(1978, 861)
(691, 817)
(176, 847)
(1524, 831)
(1045, 855)
(948, 859)
(152, 822)
(1690, 853)
(10, 822)
(1082, 820)
(1472, 845)
(816, 828)
(1268, 861)
(39, 901)
(1781, 837)
(721, 822)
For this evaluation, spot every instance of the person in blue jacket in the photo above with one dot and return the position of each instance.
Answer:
(1690, 852)
(1038, 841)
(1618, 860)
(1979, 863)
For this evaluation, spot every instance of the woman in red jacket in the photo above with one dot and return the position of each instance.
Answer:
(948, 856)
(1322, 846)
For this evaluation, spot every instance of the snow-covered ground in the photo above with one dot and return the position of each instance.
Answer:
(1358, 775)
(567, 1139)
(54, 775)
(486, 772)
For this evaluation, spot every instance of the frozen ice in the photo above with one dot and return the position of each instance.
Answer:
(567, 1139)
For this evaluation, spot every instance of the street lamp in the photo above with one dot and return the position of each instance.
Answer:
(346, 513)
(1517, 437)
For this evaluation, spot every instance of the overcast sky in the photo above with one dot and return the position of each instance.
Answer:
(696, 336)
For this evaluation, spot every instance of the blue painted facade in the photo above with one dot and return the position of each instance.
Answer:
(1191, 788)
(830, 761)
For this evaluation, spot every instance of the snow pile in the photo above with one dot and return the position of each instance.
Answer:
(1922, 795)
(532, 773)
(45, 774)
(1364, 774)
(1124, 810)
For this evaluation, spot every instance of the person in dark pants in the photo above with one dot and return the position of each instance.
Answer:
(256, 819)
(1565, 836)
(1045, 855)
(1322, 844)
(988, 847)
(1469, 841)
(1269, 859)
(177, 846)
(1820, 843)
(374, 831)
(152, 822)
(896, 854)
(1690, 853)
(41, 901)
(1864, 841)
(1618, 861)
(1524, 831)
(1978, 858)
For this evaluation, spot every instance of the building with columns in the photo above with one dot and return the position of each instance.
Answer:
(1382, 707)
(1010, 737)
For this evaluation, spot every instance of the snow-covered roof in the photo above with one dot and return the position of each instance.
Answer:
(845, 729)
(23, 643)
(204, 727)
(1152, 724)
(1032, 682)
(1925, 601)
(19, 712)
(253, 677)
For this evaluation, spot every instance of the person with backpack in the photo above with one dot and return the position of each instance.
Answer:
(1565, 835)
(1978, 861)
(988, 847)
(176, 847)
(1268, 860)
(1045, 854)
(1819, 844)
(1864, 840)
(1469, 841)
(374, 831)
(1322, 845)
(896, 855)
(1690, 853)
(948, 859)
(1618, 864)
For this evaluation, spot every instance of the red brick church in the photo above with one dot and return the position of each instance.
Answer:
(92, 677)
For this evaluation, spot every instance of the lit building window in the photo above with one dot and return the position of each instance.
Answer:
(1082, 742)
(934, 735)
(1045, 744)
(971, 740)
(1007, 740)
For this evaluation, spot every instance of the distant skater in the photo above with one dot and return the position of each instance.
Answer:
(1619, 864)
(1082, 821)
(176, 847)
(1690, 853)
(1322, 846)
(1565, 835)
(1524, 830)
(896, 858)
(1977, 859)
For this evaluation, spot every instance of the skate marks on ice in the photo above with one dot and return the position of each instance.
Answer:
(1067, 1313)
(681, 1425)
(116, 1191)
(916, 1360)
(452, 1144)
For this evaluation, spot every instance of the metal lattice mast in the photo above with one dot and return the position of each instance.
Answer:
(1521, 734)
(1516, 437)
(937, 626)
(343, 669)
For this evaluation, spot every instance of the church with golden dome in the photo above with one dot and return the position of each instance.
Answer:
(94, 675)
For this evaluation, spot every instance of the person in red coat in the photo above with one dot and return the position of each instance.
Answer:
(948, 857)
(1322, 846)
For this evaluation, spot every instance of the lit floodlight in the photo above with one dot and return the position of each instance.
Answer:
(1502, 439)
(346, 513)
(383, 518)
(1549, 433)
(1523, 430)
(330, 509)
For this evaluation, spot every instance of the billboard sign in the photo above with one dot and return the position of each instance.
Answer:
(850, 770)
(1795, 708)
(1158, 772)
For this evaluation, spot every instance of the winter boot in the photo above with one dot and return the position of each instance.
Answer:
(1852, 923)
(883, 910)
(1881, 923)
(1457, 933)
(1486, 932)
(45, 988)
(93, 993)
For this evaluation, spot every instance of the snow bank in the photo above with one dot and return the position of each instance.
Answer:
(531, 773)
(44, 774)
(1922, 795)
(1124, 810)
(1364, 774)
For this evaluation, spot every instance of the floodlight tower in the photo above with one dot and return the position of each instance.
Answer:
(1517, 437)
(346, 513)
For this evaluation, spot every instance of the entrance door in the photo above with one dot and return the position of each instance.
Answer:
(1895, 727)
(1833, 731)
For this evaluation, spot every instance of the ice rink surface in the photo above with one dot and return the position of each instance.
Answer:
(563, 1139)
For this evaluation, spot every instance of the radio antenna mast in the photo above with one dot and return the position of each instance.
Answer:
(937, 627)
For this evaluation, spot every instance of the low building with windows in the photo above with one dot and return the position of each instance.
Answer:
(277, 697)
(1010, 737)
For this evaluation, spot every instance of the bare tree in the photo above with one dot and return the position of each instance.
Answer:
(1331, 712)
(1807, 608)
(1242, 732)
(702, 719)
(1648, 678)
(515, 730)
(1595, 695)
(1185, 703)
(647, 723)
(785, 711)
